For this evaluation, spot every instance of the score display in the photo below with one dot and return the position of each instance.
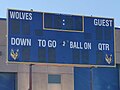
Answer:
(60, 39)
(63, 22)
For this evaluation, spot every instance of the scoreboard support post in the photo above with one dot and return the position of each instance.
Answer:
(91, 78)
(30, 76)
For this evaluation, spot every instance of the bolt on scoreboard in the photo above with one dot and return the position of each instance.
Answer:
(60, 39)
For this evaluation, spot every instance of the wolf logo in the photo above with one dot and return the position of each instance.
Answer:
(108, 58)
(14, 54)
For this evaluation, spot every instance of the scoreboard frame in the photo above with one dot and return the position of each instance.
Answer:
(58, 30)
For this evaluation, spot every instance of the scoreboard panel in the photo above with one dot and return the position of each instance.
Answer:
(60, 39)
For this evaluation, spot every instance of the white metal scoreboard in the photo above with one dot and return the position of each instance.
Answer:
(60, 39)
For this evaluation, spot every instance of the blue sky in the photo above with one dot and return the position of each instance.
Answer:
(102, 8)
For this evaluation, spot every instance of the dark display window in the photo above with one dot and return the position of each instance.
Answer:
(26, 53)
(108, 34)
(99, 33)
(58, 22)
(15, 26)
(42, 55)
(51, 55)
(76, 56)
(85, 56)
(48, 20)
(99, 57)
(26, 28)
(78, 23)
(69, 24)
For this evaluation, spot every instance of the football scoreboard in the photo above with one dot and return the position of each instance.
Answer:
(59, 39)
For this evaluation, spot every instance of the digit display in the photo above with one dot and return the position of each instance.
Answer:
(15, 26)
